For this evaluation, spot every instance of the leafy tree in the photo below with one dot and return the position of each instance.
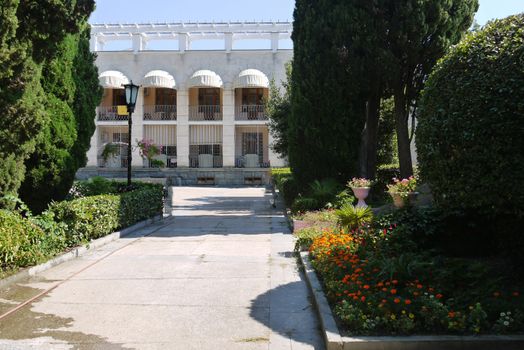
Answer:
(278, 108)
(470, 138)
(418, 34)
(72, 94)
(386, 141)
(30, 33)
(325, 122)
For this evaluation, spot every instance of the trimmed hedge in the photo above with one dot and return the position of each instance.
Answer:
(29, 241)
(470, 136)
(96, 216)
(23, 243)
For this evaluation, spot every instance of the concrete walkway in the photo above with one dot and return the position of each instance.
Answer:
(220, 275)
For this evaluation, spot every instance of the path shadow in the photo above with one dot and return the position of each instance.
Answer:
(291, 315)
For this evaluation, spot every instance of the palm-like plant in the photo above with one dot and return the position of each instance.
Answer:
(352, 217)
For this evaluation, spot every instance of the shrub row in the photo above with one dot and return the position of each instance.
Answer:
(28, 241)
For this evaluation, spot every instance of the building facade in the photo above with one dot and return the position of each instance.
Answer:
(204, 109)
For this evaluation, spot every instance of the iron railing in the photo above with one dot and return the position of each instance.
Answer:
(110, 113)
(160, 112)
(205, 112)
(195, 163)
(250, 112)
(242, 162)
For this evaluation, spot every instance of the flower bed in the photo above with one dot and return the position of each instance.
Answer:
(380, 281)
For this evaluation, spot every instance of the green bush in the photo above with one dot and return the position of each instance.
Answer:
(303, 204)
(286, 184)
(470, 136)
(305, 237)
(324, 191)
(21, 241)
(96, 216)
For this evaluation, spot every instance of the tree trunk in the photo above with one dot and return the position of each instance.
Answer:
(401, 125)
(368, 148)
(373, 112)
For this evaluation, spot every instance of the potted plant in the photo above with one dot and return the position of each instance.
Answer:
(403, 191)
(360, 187)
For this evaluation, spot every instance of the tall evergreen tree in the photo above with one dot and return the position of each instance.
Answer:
(418, 34)
(30, 32)
(70, 82)
(326, 122)
(278, 108)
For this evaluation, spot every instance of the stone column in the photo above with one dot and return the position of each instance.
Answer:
(137, 131)
(182, 128)
(228, 128)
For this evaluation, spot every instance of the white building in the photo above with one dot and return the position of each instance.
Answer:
(203, 107)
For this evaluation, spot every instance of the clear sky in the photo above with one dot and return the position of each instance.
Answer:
(140, 11)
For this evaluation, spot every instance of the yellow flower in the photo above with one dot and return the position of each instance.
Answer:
(411, 316)
(393, 317)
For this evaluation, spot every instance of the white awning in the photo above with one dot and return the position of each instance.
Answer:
(159, 78)
(251, 78)
(112, 79)
(205, 78)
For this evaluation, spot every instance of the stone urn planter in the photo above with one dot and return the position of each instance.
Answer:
(400, 199)
(361, 193)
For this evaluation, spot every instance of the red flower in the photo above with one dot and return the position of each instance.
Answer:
(393, 291)
(366, 286)
(438, 296)
(407, 301)
(363, 298)
(396, 300)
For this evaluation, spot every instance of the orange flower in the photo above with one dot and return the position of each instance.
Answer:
(380, 284)
(407, 301)
(366, 286)
(396, 300)
(451, 314)
(393, 291)
(419, 286)
(384, 289)
(416, 293)
(384, 301)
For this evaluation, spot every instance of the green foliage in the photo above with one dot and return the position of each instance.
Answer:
(351, 218)
(305, 237)
(303, 204)
(387, 139)
(289, 189)
(52, 166)
(470, 138)
(278, 109)
(324, 191)
(326, 116)
(19, 241)
(96, 216)
(157, 163)
(31, 35)
(343, 198)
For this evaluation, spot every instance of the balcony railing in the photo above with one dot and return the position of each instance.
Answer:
(160, 112)
(205, 161)
(112, 113)
(205, 112)
(250, 112)
(250, 161)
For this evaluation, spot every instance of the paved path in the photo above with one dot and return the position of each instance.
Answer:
(220, 275)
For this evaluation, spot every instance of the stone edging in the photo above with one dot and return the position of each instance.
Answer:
(75, 252)
(334, 340)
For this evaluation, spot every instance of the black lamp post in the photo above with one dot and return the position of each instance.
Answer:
(131, 96)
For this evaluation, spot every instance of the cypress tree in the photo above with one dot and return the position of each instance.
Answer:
(327, 113)
(30, 34)
(70, 81)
